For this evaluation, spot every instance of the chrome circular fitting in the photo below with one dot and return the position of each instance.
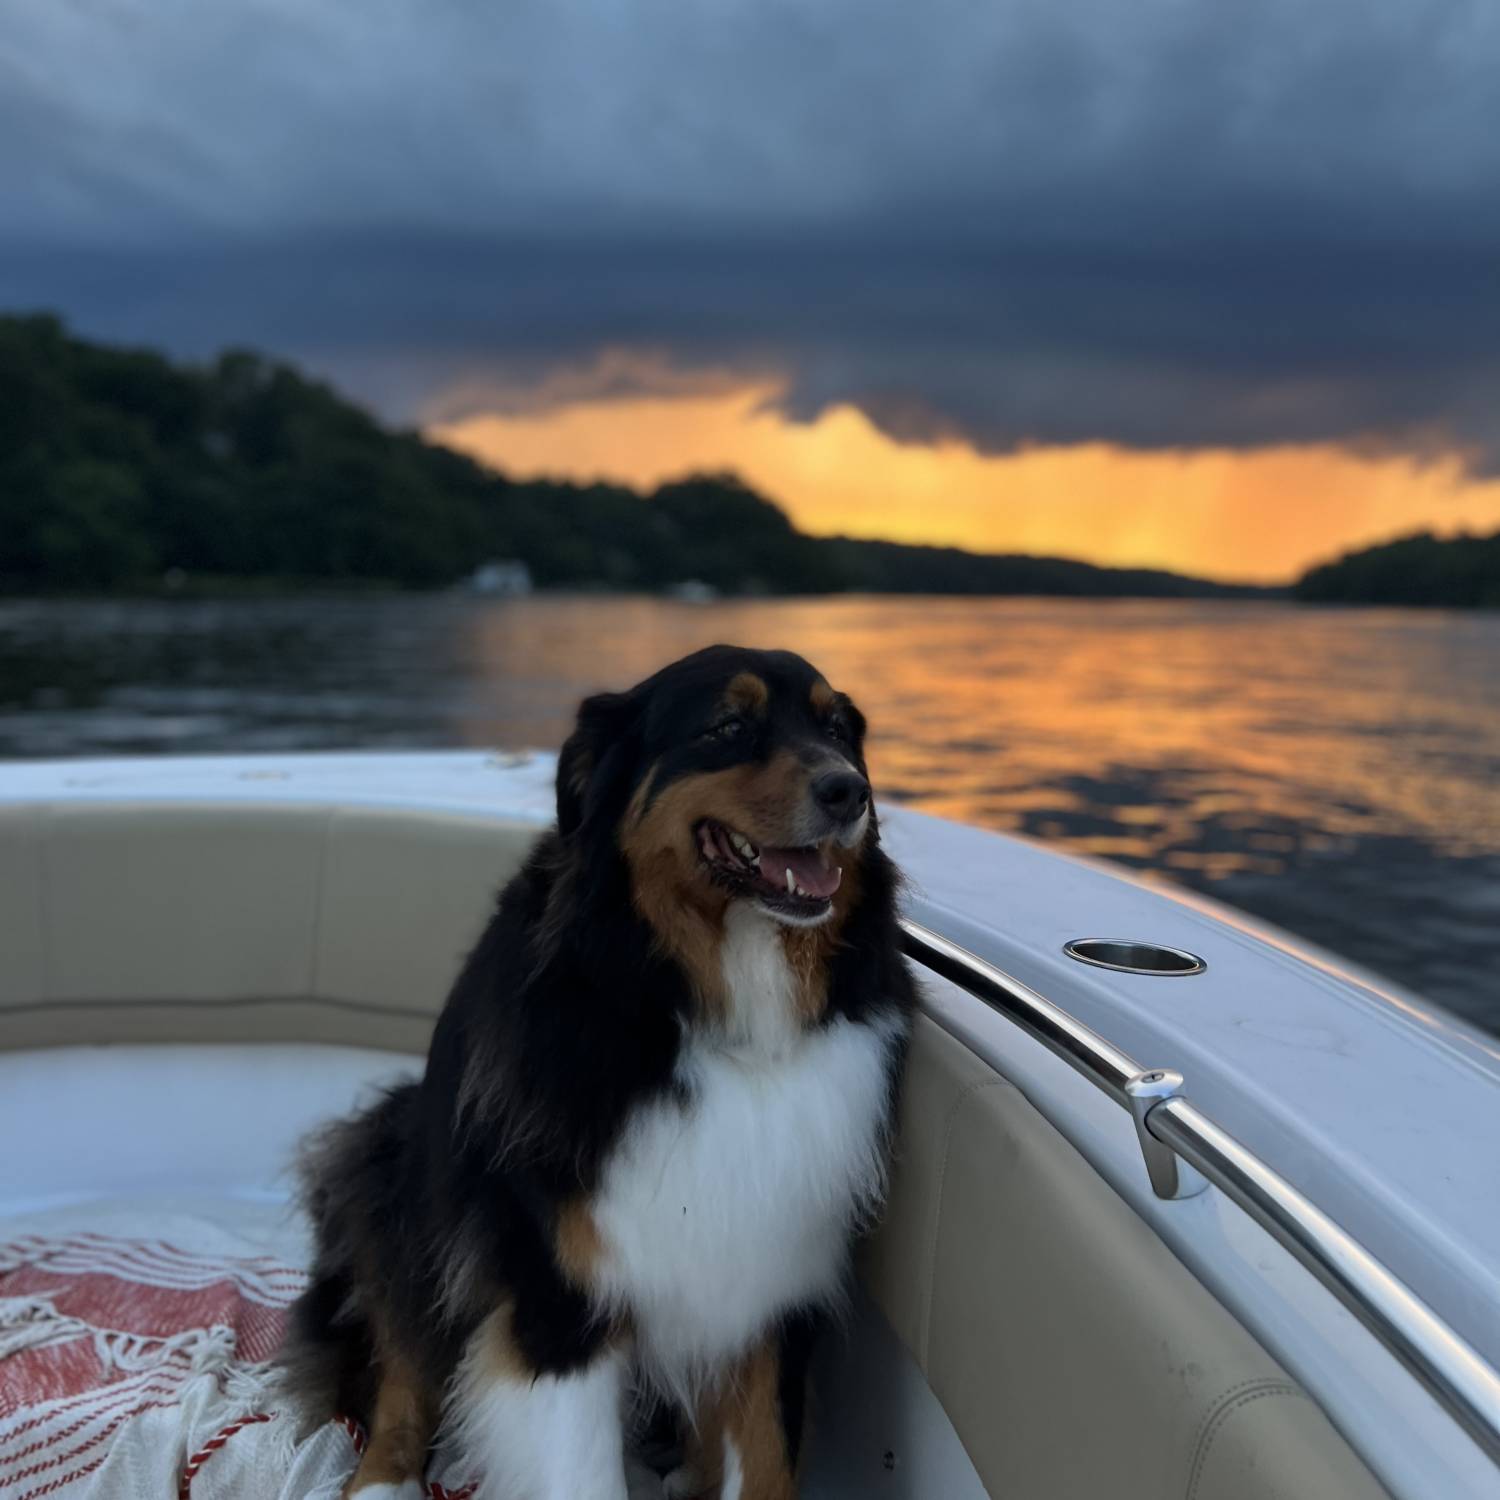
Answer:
(1131, 956)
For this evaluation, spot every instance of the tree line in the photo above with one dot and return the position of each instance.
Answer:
(119, 468)
(1455, 572)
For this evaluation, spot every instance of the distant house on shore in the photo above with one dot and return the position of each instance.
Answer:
(502, 577)
(693, 591)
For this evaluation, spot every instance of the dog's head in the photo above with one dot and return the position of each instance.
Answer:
(731, 775)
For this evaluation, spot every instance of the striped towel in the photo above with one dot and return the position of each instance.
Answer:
(134, 1349)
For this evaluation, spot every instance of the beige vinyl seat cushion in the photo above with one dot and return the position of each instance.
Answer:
(231, 923)
(1075, 1356)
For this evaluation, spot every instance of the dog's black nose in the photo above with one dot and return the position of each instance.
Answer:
(844, 794)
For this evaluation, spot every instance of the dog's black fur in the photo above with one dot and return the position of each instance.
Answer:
(445, 1197)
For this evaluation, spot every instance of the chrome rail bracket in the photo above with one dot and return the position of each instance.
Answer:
(1171, 1176)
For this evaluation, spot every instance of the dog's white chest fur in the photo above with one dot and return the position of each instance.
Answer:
(720, 1212)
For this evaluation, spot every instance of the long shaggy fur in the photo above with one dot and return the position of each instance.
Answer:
(498, 1190)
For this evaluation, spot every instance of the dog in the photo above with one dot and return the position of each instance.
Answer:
(655, 1115)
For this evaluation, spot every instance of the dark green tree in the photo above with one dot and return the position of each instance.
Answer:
(1455, 572)
(118, 466)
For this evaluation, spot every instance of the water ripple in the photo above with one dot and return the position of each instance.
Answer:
(1333, 771)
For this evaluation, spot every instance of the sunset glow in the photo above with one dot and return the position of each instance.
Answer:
(1262, 515)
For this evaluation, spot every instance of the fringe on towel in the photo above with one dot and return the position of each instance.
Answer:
(35, 1323)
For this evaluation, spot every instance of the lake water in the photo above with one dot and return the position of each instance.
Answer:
(1336, 772)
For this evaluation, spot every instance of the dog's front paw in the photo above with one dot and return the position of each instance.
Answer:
(641, 1482)
(408, 1489)
(684, 1483)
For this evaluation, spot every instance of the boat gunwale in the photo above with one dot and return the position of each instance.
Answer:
(1439, 1358)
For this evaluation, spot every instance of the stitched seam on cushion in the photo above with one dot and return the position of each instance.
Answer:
(1228, 1405)
(1212, 1410)
(208, 1007)
(937, 1213)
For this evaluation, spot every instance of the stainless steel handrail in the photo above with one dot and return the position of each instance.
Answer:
(1452, 1372)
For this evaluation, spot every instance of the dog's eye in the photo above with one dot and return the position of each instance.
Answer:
(837, 728)
(726, 729)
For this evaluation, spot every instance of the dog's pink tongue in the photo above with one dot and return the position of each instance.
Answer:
(808, 867)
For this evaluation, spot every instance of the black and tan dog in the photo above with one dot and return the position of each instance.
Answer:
(654, 1114)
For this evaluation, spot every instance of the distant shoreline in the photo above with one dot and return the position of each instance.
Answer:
(221, 589)
(125, 475)
(233, 589)
(270, 590)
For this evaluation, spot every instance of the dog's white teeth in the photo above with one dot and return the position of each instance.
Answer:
(746, 849)
(800, 891)
(791, 885)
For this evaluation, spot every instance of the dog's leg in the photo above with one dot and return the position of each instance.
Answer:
(759, 1459)
(402, 1423)
(702, 1463)
(747, 1436)
(538, 1435)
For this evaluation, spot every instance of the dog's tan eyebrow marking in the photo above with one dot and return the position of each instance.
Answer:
(822, 696)
(747, 693)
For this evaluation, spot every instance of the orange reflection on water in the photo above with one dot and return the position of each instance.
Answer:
(1206, 739)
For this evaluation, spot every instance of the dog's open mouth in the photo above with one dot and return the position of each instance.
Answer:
(799, 882)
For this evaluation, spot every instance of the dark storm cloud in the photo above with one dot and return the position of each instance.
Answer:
(1157, 224)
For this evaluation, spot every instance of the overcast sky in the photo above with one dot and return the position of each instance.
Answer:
(1159, 223)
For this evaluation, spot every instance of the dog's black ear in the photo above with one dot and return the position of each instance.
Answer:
(595, 761)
